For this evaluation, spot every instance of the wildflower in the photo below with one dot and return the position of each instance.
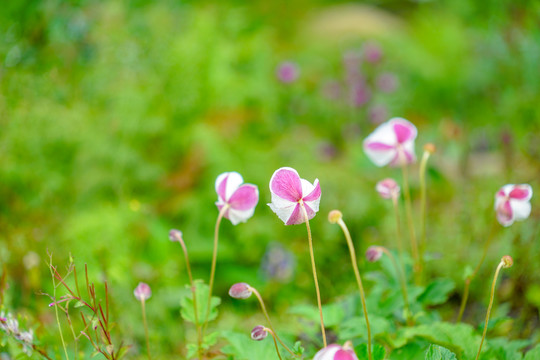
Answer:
(336, 352)
(239, 200)
(359, 94)
(387, 82)
(287, 72)
(372, 52)
(373, 253)
(240, 291)
(278, 263)
(388, 188)
(377, 114)
(142, 292)
(259, 333)
(176, 235)
(392, 143)
(334, 216)
(512, 202)
(507, 261)
(290, 193)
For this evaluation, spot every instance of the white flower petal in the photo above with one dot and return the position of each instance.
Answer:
(238, 216)
(520, 209)
(307, 187)
(282, 208)
(234, 180)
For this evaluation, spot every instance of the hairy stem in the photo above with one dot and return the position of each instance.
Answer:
(314, 269)
(499, 267)
(273, 331)
(343, 226)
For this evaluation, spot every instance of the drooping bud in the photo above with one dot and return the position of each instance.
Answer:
(142, 292)
(240, 291)
(175, 235)
(374, 253)
(507, 261)
(388, 188)
(259, 333)
(430, 148)
(334, 216)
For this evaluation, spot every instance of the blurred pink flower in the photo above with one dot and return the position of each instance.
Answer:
(240, 291)
(387, 188)
(512, 203)
(392, 143)
(336, 352)
(142, 292)
(287, 72)
(259, 333)
(359, 94)
(239, 199)
(372, 52)
(387, 82)
(289, 192)
(373, 253)
(377, 113)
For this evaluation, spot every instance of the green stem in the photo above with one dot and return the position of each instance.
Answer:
(213, 268)
(343, 226)
(194, 292)
(399, 236)
(273, 331)
(56, 311)
(146, 329)
(501, 264)
(403, 282)
(314, 269)
(275, 343)
(408, 209)
(423, 167)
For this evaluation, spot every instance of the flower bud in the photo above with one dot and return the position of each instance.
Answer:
(240, 291)
(142, 292)
(387, 188)
(430, 148)
(507, 261)
(334, 216)
(259, 333)
(374, 253)
(175, 235)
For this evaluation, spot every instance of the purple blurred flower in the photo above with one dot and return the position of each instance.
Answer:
(378, 114)
(332, 90)
(352, 61)
(388, 188)
(359, 94)
(277, 263)
(373, 253)
(387, 82)
(287, 72)
(259, 333)
(372, 52)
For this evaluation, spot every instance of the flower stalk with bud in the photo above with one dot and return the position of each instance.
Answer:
(142, 293)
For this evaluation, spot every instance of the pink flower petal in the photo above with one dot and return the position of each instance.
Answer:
(344, 355)
(227, 183)
(286, 184)
(404, 130)
(297, 217)
(327, 353)
(504, 214)
(315, 193)
(245, 197)
(378, 146)
(521, 192)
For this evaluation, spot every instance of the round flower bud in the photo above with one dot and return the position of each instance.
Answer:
(142, 292)
(430, 148)
(175, 235)
(334, 216)
(388, 188)
(259, 333)
(374, 253)
(240, 291)
(508, 261)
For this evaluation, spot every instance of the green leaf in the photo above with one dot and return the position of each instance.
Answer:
(437, 292)
(298, 349)
(242, 347)
(356, 327)
(436, 352)
(467, 272)
(186, 302)
(378, 352)
(333, 313)
(533, 354)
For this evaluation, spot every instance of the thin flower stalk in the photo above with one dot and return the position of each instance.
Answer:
(470, 278)
(274, 336)
(410, 223)
(176, 235)
(428, 150)
(399, 233)
(314, 269)
(336, 217)
(214, 261)
(145, 323)
(272, 330)
(51, 267)
(506, 262)
(403, 282)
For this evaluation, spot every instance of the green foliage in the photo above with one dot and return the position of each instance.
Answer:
(436, 352)
(437, 292)
(241, 347)
(201, 293)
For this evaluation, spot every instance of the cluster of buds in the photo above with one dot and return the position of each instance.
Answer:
(10, 326)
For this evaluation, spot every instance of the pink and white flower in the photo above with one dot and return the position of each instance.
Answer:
(388, 188)
(290, 193)
(239, 199)
(512, 203)
(336, 352)
(142, 292)
(392, 143)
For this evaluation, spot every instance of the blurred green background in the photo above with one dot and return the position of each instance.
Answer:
(117, 116)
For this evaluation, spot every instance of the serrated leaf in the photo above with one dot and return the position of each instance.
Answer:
(437, 292)
(436, 352)
(378, 352)
(298, 349)
(186, 302)
(241, 347)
